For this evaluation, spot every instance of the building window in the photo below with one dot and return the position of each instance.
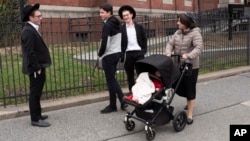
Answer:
(167, 1)
(188, 3)
(81, 36)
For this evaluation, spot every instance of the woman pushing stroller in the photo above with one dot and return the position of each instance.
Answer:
(187, 42)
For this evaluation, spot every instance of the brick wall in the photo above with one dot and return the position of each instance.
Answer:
(67, 28)
(208, 4)
(57, 2)
(80, 3)
(135, 3)
(96, 3)
(55, 30)
(178, 5)
(153, 4)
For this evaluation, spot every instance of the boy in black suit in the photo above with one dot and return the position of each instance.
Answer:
(35, 59)
(134, 42)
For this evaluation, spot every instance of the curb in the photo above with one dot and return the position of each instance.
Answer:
(67, 102)
(20, 110)
(223, 73)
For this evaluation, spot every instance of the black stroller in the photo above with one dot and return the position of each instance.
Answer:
(157, 109)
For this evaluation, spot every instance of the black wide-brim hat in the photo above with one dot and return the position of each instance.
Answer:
(27, 11)
(126, 7)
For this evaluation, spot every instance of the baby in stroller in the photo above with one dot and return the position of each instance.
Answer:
(146, 84)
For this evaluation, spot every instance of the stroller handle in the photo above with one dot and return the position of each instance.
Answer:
(187, 61)
(186, 67)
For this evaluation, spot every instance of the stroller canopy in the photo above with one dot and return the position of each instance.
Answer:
(169, 73)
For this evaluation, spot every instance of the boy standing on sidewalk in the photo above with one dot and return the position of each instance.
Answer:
(110, 53)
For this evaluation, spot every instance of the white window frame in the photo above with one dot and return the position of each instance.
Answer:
(188, 3)
(167, 1)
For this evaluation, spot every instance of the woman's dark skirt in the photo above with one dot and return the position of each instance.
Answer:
(187, 87)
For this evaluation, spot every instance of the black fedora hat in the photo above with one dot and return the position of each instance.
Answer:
(27, 11)
(126, 7)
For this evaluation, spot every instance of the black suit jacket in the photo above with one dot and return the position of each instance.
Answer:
(141, 38)
(34, 51)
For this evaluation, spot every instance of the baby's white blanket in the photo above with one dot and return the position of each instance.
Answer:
(143, 88)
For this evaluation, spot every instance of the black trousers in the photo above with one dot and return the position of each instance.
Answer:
(109, 64)
(36, 88)
(129, 66)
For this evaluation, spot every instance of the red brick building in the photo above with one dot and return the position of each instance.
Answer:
(72, 8)
(70, 16)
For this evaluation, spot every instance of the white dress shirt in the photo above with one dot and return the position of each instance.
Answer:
(132, 39)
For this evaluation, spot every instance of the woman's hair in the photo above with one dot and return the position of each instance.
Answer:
(107, 7)
(187, 20)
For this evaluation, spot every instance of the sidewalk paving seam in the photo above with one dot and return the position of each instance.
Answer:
(13, 111)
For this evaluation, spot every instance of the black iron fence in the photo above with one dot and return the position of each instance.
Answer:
(73, 45)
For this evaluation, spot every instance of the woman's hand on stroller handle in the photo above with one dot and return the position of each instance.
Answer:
(184, 56)
(187, 61)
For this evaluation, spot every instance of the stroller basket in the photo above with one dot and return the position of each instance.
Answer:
(160, 115)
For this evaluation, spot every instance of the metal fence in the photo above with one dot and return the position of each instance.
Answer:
(73, 45)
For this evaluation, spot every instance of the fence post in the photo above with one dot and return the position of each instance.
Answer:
(248, 42)
(0, 62)
(21, 4)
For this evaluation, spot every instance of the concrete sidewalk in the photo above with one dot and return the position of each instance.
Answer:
(50, 105)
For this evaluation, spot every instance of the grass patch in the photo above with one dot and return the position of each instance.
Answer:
(66, 76)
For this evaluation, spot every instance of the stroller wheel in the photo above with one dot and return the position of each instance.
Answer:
(150, 135)
(130, 125)
(179, 121)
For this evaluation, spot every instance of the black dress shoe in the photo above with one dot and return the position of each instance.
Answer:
(108, 109)
(43, 117)
(124, 106)
(190, 121)
(40, 123)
